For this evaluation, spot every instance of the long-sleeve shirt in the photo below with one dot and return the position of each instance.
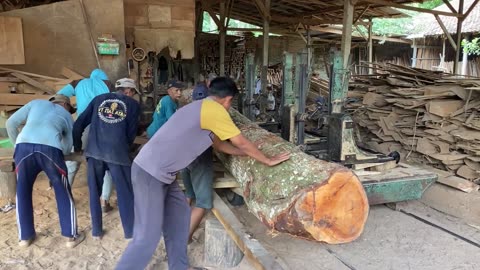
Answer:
(113, 120)
(87, 89)
(165, 109)
(45, 123)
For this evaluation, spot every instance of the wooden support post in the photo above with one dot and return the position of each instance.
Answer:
(370, 45)
(198, 30)
(223, 33)
(347, 31)
(249, 85)
(266, 32)
(464, 63)
(309, 51)
(459, 37)
(414, 56)
(445, 31)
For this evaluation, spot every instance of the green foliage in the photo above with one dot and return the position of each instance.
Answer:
(401, 26)
(471, 47)
(209, 25)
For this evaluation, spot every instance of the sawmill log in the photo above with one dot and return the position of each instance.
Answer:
(304, 196)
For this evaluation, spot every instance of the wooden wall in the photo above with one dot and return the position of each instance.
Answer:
(11, 41)
(156, 24)
(56, 36)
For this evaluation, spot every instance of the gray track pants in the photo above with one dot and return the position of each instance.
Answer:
(159, 209)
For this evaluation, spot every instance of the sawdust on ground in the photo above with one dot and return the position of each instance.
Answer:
(49, 252)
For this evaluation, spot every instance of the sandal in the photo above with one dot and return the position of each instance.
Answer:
(73, 242)
(26, 243)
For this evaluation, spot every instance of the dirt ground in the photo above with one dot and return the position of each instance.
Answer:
(391, 240)
(49, 252)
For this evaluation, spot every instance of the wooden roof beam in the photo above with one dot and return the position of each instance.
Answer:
(361, 14)
(445, 31)
(474, 3)
(449, 6)
(395, 5)
(339, 32)
(263, 9)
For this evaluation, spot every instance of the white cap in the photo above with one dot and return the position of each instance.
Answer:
(126, 83)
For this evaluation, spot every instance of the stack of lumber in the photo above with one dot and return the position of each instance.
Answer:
(318, 88)
(428, 116)
(275, 75)
(18, 87)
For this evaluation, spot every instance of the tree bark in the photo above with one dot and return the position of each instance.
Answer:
(304, 196)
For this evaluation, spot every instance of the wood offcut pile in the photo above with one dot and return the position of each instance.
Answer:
(17, 88)
(428, 116)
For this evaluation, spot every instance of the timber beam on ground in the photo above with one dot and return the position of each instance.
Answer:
(253, 250)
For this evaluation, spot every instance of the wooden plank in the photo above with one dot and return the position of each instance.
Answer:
(19, 99)
(31, 74)
(10, 79)
(449, 179)
(11, 41)
(444, 108)
(71, 74)
(42, 87)
(258, 256)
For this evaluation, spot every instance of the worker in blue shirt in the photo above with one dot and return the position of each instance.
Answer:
(166, 107)
(41, 146)
(113, 119)
(86, 90)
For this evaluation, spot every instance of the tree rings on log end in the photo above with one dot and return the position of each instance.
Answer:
(335, 212)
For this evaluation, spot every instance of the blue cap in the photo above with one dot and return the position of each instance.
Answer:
(175, 83)
(200, 92)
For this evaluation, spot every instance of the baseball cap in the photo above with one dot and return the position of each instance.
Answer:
(126, 83)
(58, 98)
(200, 92)
(176, 84)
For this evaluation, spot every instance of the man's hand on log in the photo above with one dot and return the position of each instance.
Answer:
(275, 160)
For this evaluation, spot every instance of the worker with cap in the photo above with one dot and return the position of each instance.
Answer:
(85, 90)
(113, 120)
(41, 146)
(160, 205)
(198, 177)
(166, 107)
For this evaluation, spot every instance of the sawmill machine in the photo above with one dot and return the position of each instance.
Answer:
(385, 179)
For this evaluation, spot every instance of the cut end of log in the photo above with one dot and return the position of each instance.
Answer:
(334, 212)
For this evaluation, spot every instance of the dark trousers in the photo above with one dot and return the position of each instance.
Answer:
(121, 177)
(30, 160)
(159, 209)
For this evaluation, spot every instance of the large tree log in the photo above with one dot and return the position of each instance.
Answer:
(303, 196)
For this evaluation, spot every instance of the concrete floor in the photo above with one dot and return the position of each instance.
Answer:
(391, 240)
